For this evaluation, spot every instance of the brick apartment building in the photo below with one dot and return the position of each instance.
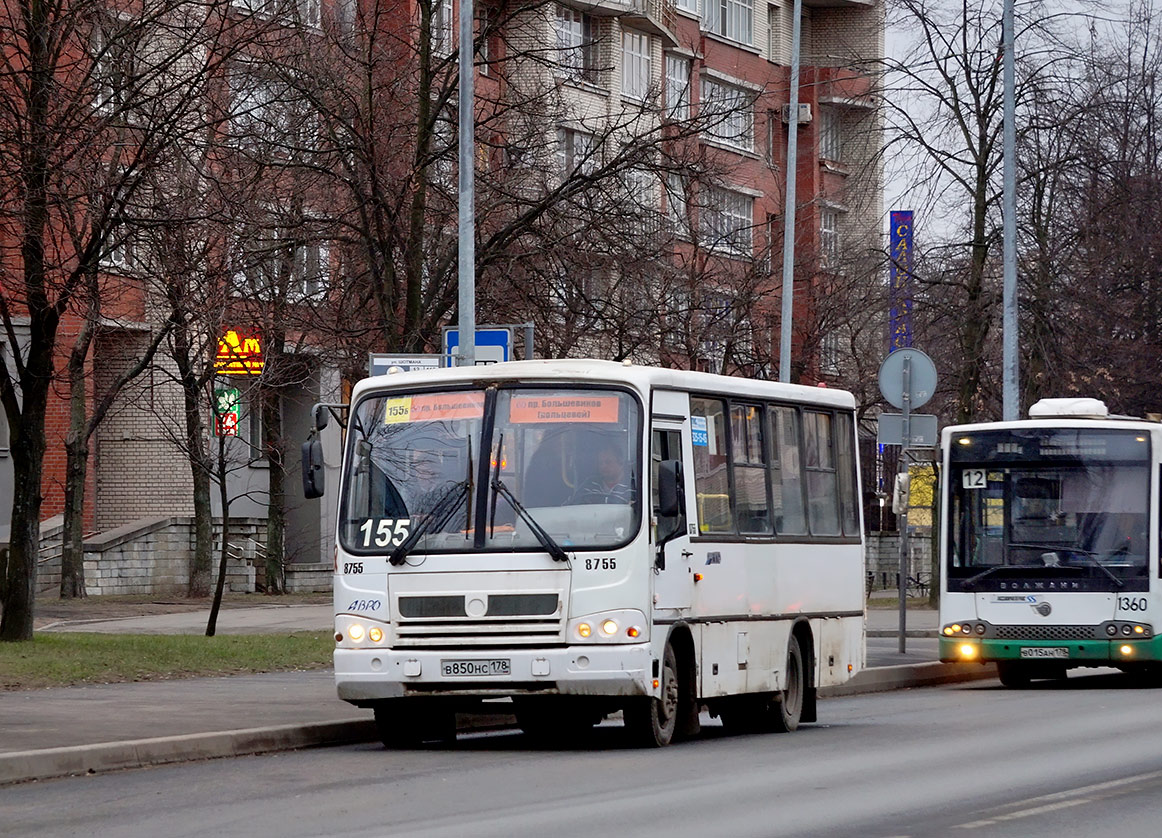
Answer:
(640, 64)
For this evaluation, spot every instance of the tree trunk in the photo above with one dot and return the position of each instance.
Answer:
(224, 553)
(19, 589)
(77, 459)
(202, 561)
(274, 448)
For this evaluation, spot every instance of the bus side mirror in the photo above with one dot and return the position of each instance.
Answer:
(671, 497)
(313, 472)
(322, 416)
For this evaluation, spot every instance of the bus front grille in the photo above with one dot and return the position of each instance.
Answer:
(1046, 632)
(447, 633)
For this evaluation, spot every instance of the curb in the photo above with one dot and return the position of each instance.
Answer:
(49, 763)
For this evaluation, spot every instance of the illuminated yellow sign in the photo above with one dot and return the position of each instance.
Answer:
(239, 354)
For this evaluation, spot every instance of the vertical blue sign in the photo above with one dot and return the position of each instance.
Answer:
(900, 280)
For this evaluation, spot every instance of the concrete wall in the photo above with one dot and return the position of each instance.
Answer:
(883, 557)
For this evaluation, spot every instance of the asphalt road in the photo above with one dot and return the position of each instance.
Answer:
(1081, 757)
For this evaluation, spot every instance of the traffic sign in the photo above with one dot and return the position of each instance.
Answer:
(921, 430)
(492, 346)
(379, 363)
(921, 377)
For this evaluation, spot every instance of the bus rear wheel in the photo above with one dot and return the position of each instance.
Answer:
(787, 709)
(651, 722)
(404, 724)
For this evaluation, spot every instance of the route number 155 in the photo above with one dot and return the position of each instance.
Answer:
(384, 531)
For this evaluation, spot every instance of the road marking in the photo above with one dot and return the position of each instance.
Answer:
(1065, 799)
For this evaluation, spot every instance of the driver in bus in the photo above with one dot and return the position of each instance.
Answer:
(611, 483)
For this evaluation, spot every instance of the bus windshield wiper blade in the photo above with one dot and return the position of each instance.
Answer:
(972, 580)
(443, 510)
(547, 541)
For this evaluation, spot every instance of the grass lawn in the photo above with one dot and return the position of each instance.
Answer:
(61, 659)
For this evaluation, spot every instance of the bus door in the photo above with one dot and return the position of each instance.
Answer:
(674, 576)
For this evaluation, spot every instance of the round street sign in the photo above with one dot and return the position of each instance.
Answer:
(921, 378)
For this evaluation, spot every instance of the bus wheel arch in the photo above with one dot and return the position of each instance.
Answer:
(803, 633)
(681, 640)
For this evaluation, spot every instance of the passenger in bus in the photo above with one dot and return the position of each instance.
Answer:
(611, 484)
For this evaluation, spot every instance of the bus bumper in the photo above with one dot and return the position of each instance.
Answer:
(1089, 652)
(363, 675)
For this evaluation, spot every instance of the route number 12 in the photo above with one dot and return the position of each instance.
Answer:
(975, 478)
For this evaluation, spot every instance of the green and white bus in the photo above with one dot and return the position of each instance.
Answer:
(576, 538)
(1050, 542)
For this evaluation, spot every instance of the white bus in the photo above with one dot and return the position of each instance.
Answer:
(1050, 548)
(583, 537)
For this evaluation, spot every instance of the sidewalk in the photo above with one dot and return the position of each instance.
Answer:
(74, 730)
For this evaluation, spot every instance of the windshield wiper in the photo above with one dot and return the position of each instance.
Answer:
(441, 512)
(972, 580)
(547, 541)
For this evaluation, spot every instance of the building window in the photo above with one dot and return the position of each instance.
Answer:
(830, 137)
(441, 28)
(635, 64)
(779, 23)
(829, 238)
(688, 6)
(119, 251)
(311, 12)
(678, 86)
(733, 19)
(576, 47)
(444, 148)
(112, 69)
(729, 114)
(829, 353)
(265, 111)
(575, 152)
(727, 222)
(677, 206)
(483, 39)
(311, 274)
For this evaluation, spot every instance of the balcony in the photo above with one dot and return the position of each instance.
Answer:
(658, 17)
(839, 4)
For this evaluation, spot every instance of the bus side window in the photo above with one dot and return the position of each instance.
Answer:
(664, 445)
(749, 466)
(819, 463)
(845, 463)
(786, 476)
(711, 480)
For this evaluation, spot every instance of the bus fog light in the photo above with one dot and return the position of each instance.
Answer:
(355, 632)
(980, 628)
(966, 628)
(1126, 650)
(609, 628)
(584, 629)
(1111, 630)
(375, 634)
(968, 650)
(1126, 630)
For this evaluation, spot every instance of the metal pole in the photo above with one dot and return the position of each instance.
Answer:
(467, 207)
(1010, 360)
(789, 203)
(902, 518)
(529, 328)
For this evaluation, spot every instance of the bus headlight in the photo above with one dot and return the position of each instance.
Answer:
(1126, 650)
(350, 631)
(622, 626)
(968, 651)
(355, 632)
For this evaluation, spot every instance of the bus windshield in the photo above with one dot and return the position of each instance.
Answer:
(564, 461)
(1049, 504)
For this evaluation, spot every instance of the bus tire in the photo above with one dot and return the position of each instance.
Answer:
(651, 722)
(403, 725)
(1013, 675)
(786, 709)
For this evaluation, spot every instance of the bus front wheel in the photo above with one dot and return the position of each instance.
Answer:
(652, 721)
(401, 723)
(1013, 675)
